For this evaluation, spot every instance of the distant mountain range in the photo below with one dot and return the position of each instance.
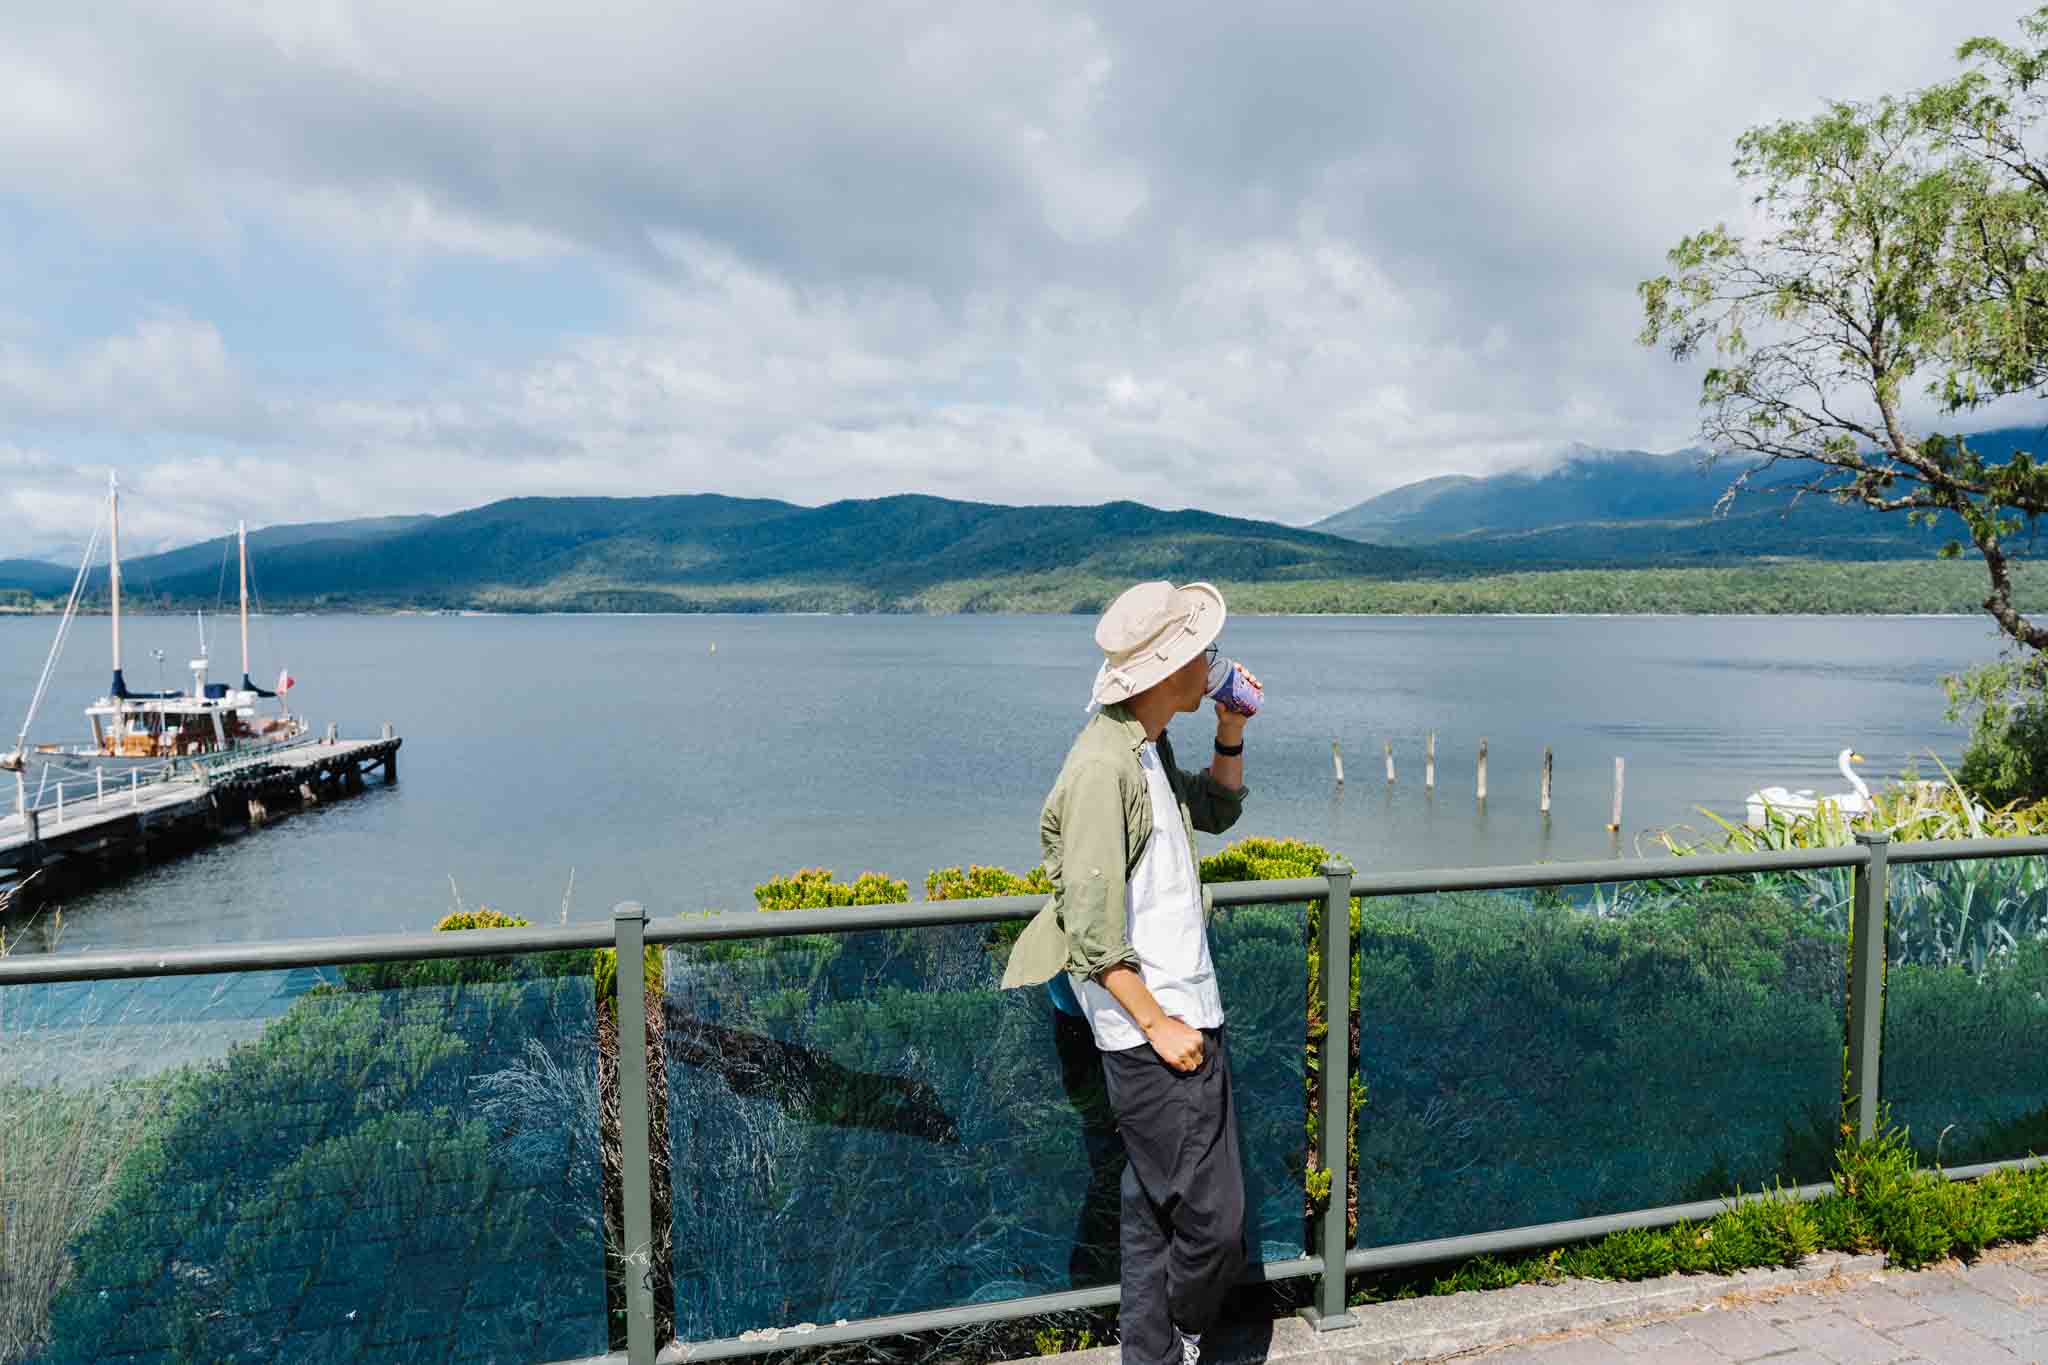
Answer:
(35, 576)
(1596, 509)
(705, 551)
(1630, 507)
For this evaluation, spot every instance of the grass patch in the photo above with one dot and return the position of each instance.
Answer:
(60, 1152)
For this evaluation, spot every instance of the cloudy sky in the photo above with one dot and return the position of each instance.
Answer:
(293, 261)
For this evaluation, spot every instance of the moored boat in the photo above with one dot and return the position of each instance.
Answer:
(157, 733)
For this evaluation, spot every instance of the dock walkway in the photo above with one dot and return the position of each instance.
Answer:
(123, 821)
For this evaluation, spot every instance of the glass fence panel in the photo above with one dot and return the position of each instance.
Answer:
(1539, 1055)
(381, 1163)
(865, 1124)
(1966, 1008)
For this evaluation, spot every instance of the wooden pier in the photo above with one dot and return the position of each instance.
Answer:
(107, 833)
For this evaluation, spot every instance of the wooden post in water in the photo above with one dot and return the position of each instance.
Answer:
(1337, 757)
(1429, 763)
(1545, 804)
(1390, 763)
(1482, 769)
(1614, 825)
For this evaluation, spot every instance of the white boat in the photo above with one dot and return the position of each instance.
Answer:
(160, 733)
(1803, 804)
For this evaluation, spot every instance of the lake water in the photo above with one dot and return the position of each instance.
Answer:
(629, 751)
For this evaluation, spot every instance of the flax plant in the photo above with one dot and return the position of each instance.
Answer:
(1970, 913)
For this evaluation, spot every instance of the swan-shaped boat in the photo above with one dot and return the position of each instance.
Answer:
(1803, 804)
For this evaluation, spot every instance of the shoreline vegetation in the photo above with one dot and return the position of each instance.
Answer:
(1762, 588)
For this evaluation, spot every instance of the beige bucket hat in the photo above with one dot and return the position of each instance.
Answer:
(1149, 632)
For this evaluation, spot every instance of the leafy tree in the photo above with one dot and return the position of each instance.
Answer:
(1902, 245)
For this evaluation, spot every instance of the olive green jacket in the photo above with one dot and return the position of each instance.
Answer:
(1094, 827)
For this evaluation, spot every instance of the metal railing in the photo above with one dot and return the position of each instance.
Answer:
(1331, 1256)
(86, 779)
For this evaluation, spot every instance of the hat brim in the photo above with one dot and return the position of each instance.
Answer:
(1118, 685)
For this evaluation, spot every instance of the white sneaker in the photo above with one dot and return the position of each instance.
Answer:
(1190, 1348)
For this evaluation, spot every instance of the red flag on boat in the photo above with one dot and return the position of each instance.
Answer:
(284, 682)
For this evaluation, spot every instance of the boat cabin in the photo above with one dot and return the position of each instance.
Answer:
(176, 727)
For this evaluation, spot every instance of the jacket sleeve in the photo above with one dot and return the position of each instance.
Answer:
(1212, 806)
(1092, 871)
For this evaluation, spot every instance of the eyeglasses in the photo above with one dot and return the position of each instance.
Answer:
(1212, 654)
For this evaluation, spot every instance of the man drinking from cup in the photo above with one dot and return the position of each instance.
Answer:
(1123, 939)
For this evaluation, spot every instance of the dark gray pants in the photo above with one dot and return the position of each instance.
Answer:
(1182, 1231)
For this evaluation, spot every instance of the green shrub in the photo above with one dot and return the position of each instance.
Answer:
(2006, 705)
(1632, 1254)
(1259, 859)
(1489, 1272)
(812, 888)
(457, 971)
(977, 882)
(1962, 1068)
(1839, 1221)
(334, 1182)
(1779, 1230)
(952, 884)
(1499, 1030)
(1912, 1214)
(1916, 1215)
(2021, 1198)
(334, 1177)
(483, 917)
(1053, 1341)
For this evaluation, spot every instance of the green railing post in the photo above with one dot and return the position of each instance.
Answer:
(1334, 1141)
(629, 998)
(1866, 981)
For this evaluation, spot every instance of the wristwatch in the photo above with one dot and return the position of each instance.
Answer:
(1229, 750)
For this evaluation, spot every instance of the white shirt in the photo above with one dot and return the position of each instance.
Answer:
(1163, 915)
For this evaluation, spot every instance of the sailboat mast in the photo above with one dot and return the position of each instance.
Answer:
(242, 543)
(114, 569)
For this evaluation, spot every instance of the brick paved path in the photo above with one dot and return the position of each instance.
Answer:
(1993, 1311)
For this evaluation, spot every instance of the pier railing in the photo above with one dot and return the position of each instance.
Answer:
(80, 782)
(396, 1147)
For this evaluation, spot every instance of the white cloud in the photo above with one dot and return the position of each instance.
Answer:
(162, 374)
(1262, 260)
